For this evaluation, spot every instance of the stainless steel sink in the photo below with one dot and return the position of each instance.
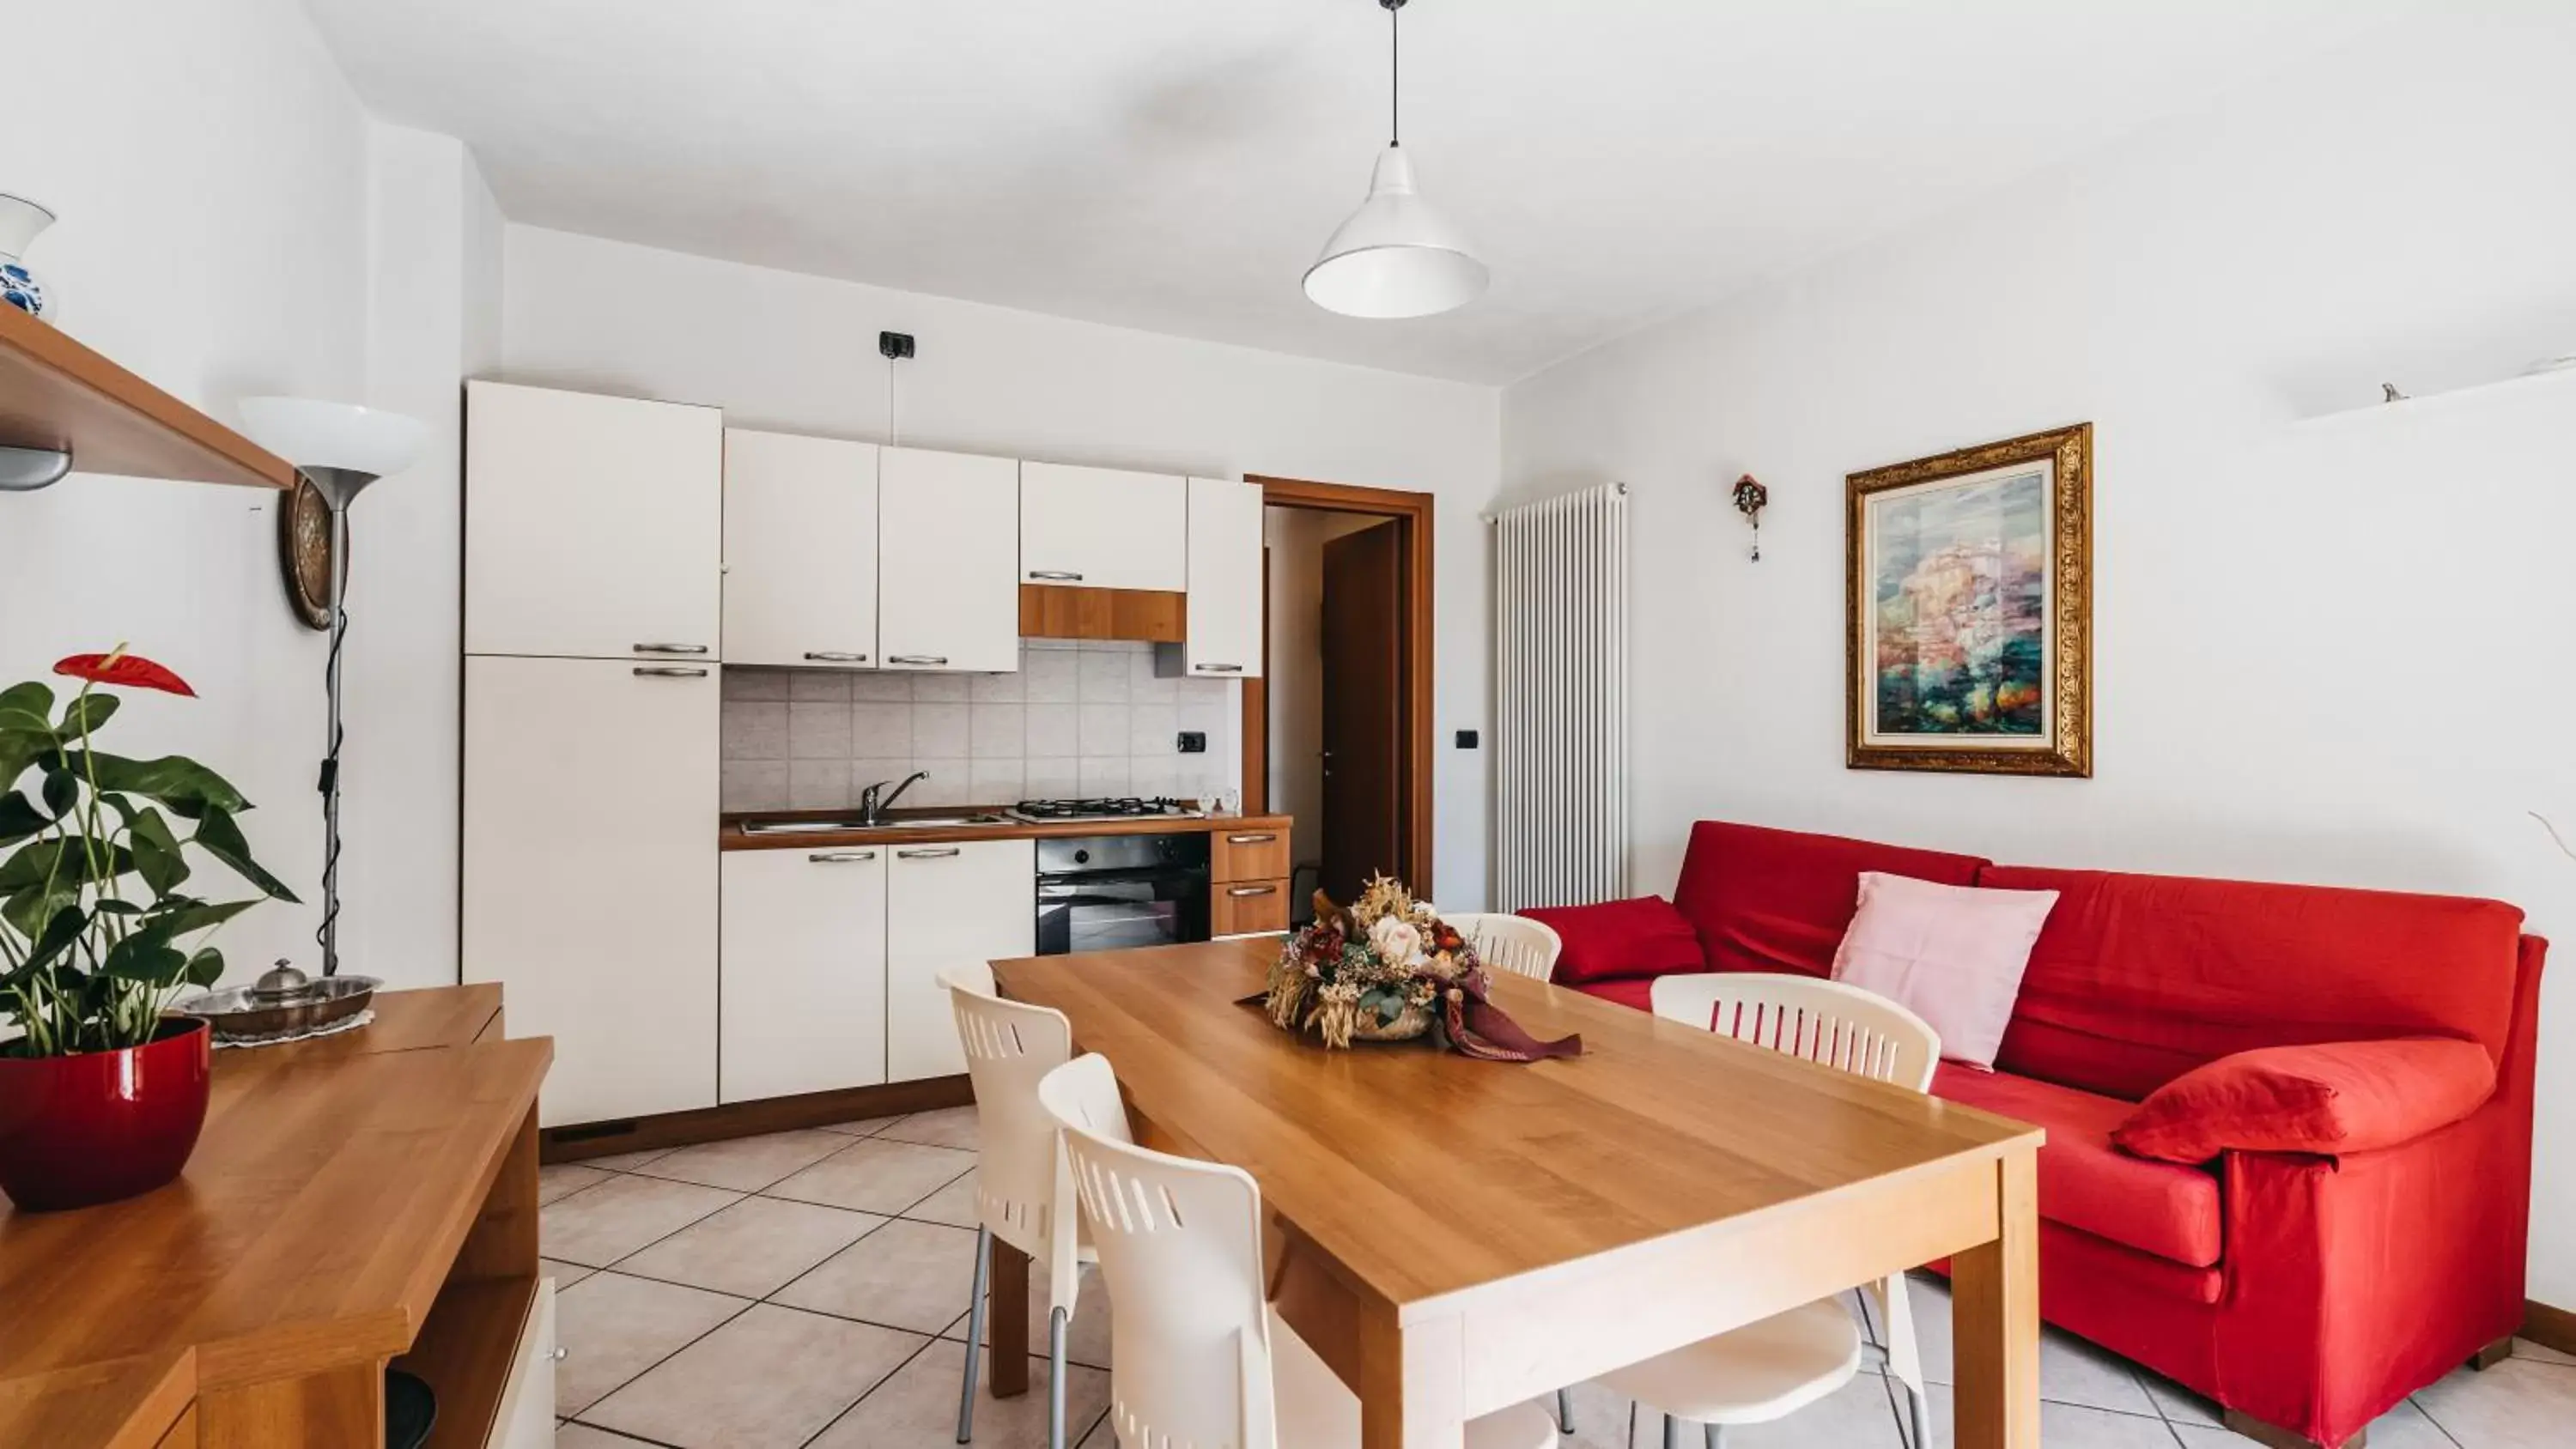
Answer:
(853, 822)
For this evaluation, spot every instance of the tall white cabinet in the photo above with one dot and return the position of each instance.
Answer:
(948, 561)
(800, 551)
(592, 611)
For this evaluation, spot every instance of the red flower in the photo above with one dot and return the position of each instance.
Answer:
(132, 670)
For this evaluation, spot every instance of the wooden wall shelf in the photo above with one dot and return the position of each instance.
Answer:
(57, 393)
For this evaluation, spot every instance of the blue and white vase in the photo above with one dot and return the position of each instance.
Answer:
(21, 221)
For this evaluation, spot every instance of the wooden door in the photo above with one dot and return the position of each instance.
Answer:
(800, 550)
(946, 905)
(1102, 528)
(593, 525)
(589, 873)
(804, 971)
(948, 561)
(1364, 664)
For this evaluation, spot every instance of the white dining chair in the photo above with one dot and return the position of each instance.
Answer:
(1771, 1369)
(1199, 1355)
(1511, 943)
(1010, 1046)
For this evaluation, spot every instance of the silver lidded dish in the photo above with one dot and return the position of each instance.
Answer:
(283, 1005)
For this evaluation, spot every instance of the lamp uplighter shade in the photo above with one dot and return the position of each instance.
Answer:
(1397, 256)
(313, 434)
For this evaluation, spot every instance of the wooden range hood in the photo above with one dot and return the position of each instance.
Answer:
(1060, 611)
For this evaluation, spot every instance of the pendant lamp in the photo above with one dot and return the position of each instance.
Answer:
(1397, 256)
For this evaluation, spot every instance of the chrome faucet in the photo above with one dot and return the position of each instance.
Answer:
(872, 810)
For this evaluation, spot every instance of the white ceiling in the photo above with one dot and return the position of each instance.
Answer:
(1174, 166)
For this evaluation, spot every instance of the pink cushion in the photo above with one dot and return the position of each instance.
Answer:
(1954, 955)
(2339, 1097)
(1641, 937)
(2154, 1207)
(1779, 900)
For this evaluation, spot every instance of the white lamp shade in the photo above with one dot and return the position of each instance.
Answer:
(1397, 256)
(311, 433)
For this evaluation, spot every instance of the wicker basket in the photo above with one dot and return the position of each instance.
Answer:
(1412, 1022)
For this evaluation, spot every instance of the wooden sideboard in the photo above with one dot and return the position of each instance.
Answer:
(356, 1200)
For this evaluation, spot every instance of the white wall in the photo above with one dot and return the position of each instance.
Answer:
(2333, 653)
(798, 353)
(232, 224)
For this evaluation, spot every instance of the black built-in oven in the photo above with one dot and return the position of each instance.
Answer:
(1112, 892)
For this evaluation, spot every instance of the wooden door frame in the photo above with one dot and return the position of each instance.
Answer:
(1413, 514)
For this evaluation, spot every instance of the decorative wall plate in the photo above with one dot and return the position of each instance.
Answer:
(304, 554)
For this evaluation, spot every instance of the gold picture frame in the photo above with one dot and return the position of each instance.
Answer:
(1969, 604)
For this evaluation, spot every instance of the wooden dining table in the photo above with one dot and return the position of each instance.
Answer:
(1454, 1236)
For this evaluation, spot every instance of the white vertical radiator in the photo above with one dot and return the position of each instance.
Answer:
(1561, 699)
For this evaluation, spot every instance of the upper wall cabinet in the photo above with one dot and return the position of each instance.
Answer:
(593, 525)
(800, 550)
(1101, 528)
(1225, 624)
(948, 561)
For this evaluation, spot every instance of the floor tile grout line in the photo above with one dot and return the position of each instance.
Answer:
(629, 1381)
(2438, 1426)
(864, 1394)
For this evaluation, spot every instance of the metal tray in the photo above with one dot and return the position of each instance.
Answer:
(246, 1014)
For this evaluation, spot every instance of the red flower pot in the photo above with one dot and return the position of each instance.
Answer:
(99, 1126)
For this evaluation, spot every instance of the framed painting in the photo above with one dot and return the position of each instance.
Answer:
(1970, 610)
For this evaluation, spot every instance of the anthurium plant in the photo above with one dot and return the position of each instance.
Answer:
(97, 932)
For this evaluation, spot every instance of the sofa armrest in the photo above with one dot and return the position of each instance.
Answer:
(2328, 1099)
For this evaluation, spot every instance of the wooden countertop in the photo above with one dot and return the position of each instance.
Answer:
(731, 836)
(334, 1184)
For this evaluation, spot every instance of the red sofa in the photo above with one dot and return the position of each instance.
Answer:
(2308, 1292)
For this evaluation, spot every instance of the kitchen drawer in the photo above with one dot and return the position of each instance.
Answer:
(1245, 908)
(1253, 850)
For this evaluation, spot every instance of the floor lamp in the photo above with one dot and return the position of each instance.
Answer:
(339, 448)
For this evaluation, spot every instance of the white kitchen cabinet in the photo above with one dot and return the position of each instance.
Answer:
(800, 550)
(1225, 627)
(589, 873)
(804, 969)
(1103, 528)
(593, 525)
(526, 1417)
(948, 561)
(948, 904)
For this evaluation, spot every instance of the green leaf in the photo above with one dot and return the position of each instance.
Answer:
(69, 920)
(65, 860)
(19, 818)
(62, 792)
(27, 910)
(32, 697)
(85, 713)
(206, 967)
(136, 959)
(156, 850)
(219, 837)
(18, 750)
(180, 916)
(188, 788)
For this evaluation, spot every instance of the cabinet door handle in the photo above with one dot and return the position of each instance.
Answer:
(916, 659)
(1218, 668)
(834, 656)
(1252, 890)
(1056, 576)
(668, 671)
(841, 857)
(1250, 839)
(670, 649)
(941, 854)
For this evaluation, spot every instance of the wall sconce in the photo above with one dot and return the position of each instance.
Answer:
(1750, 499)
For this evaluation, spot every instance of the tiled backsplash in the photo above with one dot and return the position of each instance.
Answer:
(1087, 718)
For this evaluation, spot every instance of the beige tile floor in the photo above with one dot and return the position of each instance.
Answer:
(810, 1289)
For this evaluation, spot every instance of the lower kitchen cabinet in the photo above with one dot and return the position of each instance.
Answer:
(589, 874)
(948, 904)
(804, 987)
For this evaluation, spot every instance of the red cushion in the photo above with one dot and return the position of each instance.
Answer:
(2340, 1097)
(2137, 979)
(1641, 937)
(1780, 900)
(2154, 1207)
(1636, 991)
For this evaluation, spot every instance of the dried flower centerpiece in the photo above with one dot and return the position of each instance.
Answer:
(1387, 968)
